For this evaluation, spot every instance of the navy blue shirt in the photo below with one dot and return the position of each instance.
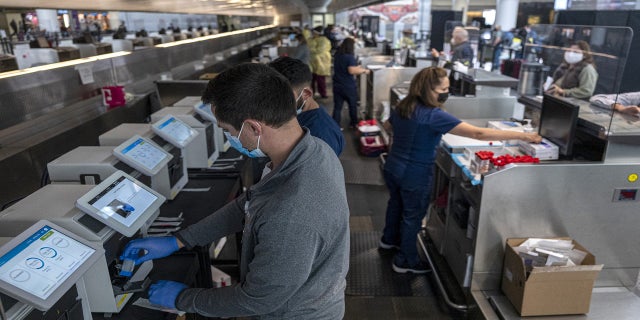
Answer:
(415, 140)
(341, 75)
(321, 125)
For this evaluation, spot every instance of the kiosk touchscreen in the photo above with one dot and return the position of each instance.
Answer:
(175, 131)
(41, 264)
(143, 155)
(202, 152)
(204, 110)
(122, 203)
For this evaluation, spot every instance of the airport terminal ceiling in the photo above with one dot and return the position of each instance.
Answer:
(236, 7)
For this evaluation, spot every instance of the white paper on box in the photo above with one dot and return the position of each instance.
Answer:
(545, 150)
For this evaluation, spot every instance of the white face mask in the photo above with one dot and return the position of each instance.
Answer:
(299, 109)
(573, 57)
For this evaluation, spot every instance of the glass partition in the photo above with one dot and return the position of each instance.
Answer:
(584, 66)
(474, 39)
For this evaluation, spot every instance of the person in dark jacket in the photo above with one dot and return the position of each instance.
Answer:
(310, 114)
(345, 68)
(462, 51)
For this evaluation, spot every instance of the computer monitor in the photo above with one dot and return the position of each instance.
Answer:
(558, 121)
(42, 263)
(175, 131)
(121, 202)
(142, 155)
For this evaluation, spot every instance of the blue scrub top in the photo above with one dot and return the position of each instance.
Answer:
(341, 76)
(321, 125)
(415, 140)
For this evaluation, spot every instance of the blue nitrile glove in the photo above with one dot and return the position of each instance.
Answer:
(150, 248)
(164, 293)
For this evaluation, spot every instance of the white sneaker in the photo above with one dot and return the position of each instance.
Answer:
(386, 246)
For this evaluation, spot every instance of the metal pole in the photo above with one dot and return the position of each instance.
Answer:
(461, 307)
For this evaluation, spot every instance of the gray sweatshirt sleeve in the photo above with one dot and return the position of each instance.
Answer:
(224, 221)
(283, 259)
(588, 79)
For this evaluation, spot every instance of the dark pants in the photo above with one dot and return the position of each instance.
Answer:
(319, 82)
(350, 95)
(405, 211)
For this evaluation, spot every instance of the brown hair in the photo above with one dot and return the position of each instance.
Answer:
(346, 47)
(420, 89)
(586, 51)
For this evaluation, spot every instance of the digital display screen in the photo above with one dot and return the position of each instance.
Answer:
(627, 195)
(558, 121)
(40, 264)
(176, 129)
(146, 154)
(123, 201)
(204, 109)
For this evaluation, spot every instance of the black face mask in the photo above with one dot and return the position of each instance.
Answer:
(442, 97)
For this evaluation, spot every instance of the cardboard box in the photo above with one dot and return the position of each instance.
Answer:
(548, 290)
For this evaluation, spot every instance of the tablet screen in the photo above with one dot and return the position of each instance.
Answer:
(123, 201)
(146, 154)
(176, 129)
(204, 109)
(42, 262)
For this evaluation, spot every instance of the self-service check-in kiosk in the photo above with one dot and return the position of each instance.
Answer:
(105, 216)
(209, 144)
(142, 154)
(41, 273)
(137, 156)
(204, 150)
(203, 110)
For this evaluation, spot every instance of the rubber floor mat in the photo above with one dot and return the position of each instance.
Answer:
(370, 271)
(362, 172)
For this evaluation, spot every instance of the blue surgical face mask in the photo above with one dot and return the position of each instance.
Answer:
(236, 144)
(299, 110)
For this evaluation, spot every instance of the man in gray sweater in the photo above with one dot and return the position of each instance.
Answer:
(295, 221)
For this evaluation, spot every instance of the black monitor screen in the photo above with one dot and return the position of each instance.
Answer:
(558, 121)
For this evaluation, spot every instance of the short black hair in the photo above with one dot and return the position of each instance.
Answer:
(251, 90)
(296, 71)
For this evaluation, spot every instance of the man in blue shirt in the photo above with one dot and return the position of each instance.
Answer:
(310, 115)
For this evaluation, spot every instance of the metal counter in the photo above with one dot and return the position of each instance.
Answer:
(46, 113)
(482, 83)
(606, 303)
(551, 199)
(375, 87)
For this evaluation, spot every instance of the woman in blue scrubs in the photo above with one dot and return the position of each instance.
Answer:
(418, 123)
(344, 83)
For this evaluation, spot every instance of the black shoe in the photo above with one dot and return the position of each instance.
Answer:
(419, 268)
(386, 246)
